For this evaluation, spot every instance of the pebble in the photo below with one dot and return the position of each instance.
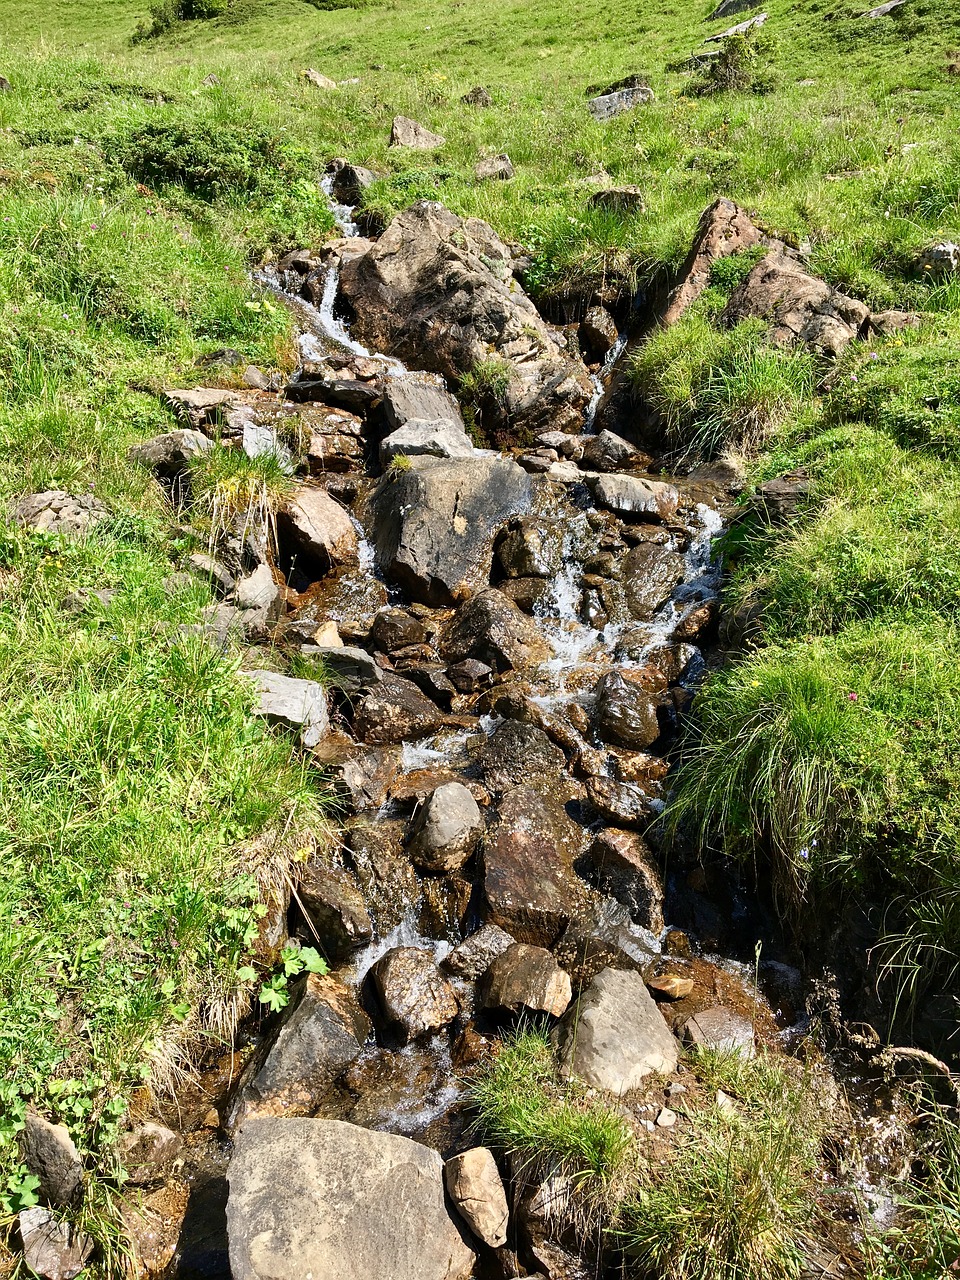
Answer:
(667, 1118)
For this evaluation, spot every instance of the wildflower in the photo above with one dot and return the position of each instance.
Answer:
(853, 377)
(874, 356)
(94, 226)
(754, 684)
(805, 854)
(851, 697)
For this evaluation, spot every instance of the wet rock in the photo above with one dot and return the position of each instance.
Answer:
(52, 1249)
(474, 1185)
(478, 96)
(363, 777)
(625, 714)
(435, 524)
(475, 955)
(171, 454)
(797, 306)
(350, 181)
(408, 399)
(147, 1153)
(608, 452)
(490, 628)
(438, 292)
(608, 105)
(526, 593)
(626, 200)
(338, 1202)
(622, 803)
(292, 704)
(445, 829)
(50, 1154)
(603, 936)
(408, 133)
(597, 333)
(724, 229)
(631, 496)
(334, 906)
(415, 997)
(496, 168)
(615, 1036)
(720, 1028)
(446, 905)
(387, 880)
(438, 438)
(621, 864)
(55, 511)
(650, 575)
(317, 530)
(351, 669)
(394, 711)
(394, 629)
(525, 979)
(470, 675)
(334, 440)
(520, 753)
(154, 1224)
(672, 986)
(531, 548)
(321, 1031)
(529, 887)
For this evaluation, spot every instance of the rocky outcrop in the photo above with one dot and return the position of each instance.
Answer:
(434, 525)
(321, 1031)
(332, 1201)
(615, 1036)
(438, 292)
(798, 307)
(476, 1188)
(724, 229)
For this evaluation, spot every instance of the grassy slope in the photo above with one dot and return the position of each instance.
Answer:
(107, 288)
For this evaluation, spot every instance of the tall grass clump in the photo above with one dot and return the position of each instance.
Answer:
(709, 389)
(231, 492)
(735, 1201)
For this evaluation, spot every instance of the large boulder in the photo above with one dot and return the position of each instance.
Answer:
(438, 292)
(317, 530)
(529, 886)
(332, 1201)
(724, 229)
(632, 496)
(798, 307)
(435, 523)
(615, 1036)
(321, 1031)
(445, 828)
(490, 628)
(414, 995)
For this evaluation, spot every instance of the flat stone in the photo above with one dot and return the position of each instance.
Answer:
(292, 704)
(614, 1036)
(409, 399)
(721, 1029)
(351, 669)
(439, 438)
(52, 1249)
(608, 105)
(333, 1201)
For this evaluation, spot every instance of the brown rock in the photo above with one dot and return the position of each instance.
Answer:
(724, 228)
(525, 978)
(408, 133)
(621, 864)
(414, 995)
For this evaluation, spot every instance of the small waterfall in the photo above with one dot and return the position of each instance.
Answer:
(342, 213)
(598, 380)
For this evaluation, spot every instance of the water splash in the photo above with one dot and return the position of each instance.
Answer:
(342, 213)
(598, 379)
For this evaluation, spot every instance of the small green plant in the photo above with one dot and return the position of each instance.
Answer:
(229, 490)
(400, 463)
(294, 960)
(744, 63)
(488, 380)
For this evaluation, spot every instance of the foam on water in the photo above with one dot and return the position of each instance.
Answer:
(342, 213)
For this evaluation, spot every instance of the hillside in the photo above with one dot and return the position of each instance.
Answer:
(781, 766)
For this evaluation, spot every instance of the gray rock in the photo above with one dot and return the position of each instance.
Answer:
(255, 378)
(394, 629)
(409, 398)
(608, 105)
(478, 96)
(7, 87)
(445, 828)
(414, 995)
(201, 406)
(531, 548)
(50, 1154)
(439, 438)
(720, 1028)
(740, 29)
(490, 628)
(217, 575)
(797, 306)
(394, 710)
(258, 590)
(941, 259)
(650, 574)
(408, 133)
(621, 864)
(631, 496)
(148, 1152)
(614, 1036)
(625, 714)
(597, 333)
(350, 181)
(474, 956)
(727, 7)
(351, 669)
(882, 10)
(292, 704)
(332, 902)
(525, 979)
(332, 1201)
(439, 292)
(318, 529)
(55, 511)
(609, 452)
(497, 168)
(170, 454)
(474, 1185)
(435, 524)
(52, 1249)
(321, 1031)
